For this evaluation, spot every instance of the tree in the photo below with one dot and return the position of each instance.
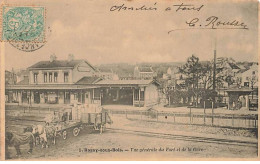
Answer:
(192, 70)
(200, 77)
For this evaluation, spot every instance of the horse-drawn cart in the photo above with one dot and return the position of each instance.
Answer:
(79, 117)
(63, 128)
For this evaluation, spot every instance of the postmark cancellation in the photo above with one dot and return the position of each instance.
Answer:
(23, 24)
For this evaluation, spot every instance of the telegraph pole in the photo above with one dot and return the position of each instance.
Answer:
(214, 68)
(214, 78)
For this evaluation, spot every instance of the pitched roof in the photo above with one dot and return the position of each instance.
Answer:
(126, 82)
(58, 64)
(88, 80)
(25, 81)
(22, 73)
(243, 89)
(233, 66)
(7, 72)
(145, 69)
(242, 70)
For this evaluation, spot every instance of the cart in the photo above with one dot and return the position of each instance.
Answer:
(64, 128)
(74, 119)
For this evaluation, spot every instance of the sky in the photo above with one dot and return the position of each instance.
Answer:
(89, 30)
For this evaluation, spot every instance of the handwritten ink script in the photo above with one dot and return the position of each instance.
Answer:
(211, 22)
(180, 7)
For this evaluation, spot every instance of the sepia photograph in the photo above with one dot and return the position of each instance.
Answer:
(129, 80)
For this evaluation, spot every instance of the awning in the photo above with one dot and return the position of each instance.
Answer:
(41, 87)
(239, 91)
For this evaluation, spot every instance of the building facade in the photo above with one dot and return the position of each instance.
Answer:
(77, 81)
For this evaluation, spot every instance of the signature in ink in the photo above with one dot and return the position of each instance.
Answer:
(213, 22)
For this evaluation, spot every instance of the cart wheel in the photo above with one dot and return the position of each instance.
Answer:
(64, 134)
(76, 131)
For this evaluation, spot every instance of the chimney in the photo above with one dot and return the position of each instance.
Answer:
(70, 57)
(53, 57)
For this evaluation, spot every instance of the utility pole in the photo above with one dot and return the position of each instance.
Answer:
(214, 68)
(214, 77)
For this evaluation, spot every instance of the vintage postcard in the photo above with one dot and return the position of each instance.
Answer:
(129, 79)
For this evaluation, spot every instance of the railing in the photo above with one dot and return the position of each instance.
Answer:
(247, 121)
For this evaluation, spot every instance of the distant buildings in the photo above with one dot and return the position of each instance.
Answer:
(144, 73)
(10, 77)
(107, 74)
(22, 74)
(235, 83)
(248, 77)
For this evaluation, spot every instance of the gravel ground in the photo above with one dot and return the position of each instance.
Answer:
(194, 128)
(84, 146)
(179, 149)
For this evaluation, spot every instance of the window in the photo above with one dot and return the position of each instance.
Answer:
(246, 84)
(142, 95)
(50, 77)
(45, 77)
(55, 76)
(35, 77)
(66, 77)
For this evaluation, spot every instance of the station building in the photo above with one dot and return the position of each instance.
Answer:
(70, 81)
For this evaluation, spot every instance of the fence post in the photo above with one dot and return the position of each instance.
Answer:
(249, 122)
(169, 100)
(232, 120)
(245, 121)
(212, 123)
(157, 115)
(204, 116)
(190, 115)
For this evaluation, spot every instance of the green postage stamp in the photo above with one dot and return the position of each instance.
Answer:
(23, 24)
